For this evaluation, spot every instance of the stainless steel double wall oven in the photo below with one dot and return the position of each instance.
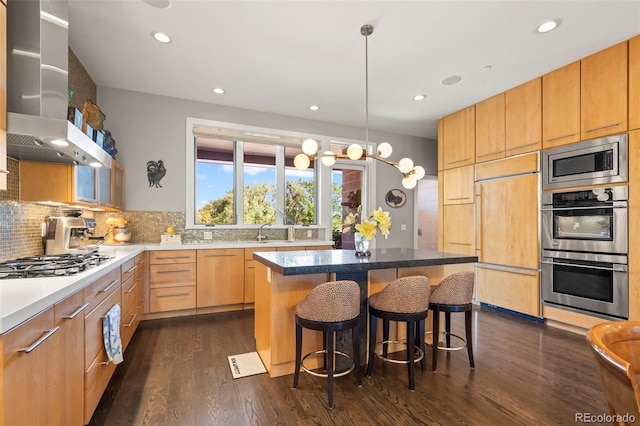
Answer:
(585, 233)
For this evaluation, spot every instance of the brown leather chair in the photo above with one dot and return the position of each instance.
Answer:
(453, 294)
(330, 307)
(616, 347)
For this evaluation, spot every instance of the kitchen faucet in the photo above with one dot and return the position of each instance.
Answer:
(261, 237)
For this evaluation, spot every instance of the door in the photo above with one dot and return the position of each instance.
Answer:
(427, 213)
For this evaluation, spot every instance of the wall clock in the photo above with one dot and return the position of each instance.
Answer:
(395, 198)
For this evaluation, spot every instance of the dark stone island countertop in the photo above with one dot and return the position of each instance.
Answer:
(321, 261)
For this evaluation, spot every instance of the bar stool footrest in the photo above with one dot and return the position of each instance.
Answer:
(445, 348)
(335, 373)
(418, 354)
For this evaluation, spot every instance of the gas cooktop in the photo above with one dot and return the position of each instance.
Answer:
(50, 265)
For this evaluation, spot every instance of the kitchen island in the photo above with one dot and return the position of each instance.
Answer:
(283, 279)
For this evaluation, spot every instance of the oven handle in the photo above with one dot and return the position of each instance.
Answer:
(616, 268)
(551, 209)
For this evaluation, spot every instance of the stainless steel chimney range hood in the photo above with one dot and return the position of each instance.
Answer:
(37, 77)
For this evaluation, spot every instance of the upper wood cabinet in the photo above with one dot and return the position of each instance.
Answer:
(458, 229)
(458, 185)
(634, 83)
(603, 90)
(561, 106)
(440, 145)
(459, 138)
(523, 118)
(490, 128)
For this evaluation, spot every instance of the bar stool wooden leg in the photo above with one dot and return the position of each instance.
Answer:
(411, 332)
(373, 325)
(420, 343)
(355, 338)
(467, 325)
(447, 328)
(329, 359)
(385, 337)
(435, 334)
(296, 374)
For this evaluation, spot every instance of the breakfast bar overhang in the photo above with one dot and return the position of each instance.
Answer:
(283, 279)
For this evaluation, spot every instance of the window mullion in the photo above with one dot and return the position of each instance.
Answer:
(280, 185)
(238, 172)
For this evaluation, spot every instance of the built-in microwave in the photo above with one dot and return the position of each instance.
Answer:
(586, 163)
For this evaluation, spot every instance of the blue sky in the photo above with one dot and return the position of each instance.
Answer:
(214, 180)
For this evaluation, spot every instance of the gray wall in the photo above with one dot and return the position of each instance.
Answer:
(149, 127)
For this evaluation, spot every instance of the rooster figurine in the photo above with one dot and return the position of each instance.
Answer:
(155, 172)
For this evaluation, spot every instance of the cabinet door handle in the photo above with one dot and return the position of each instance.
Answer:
(111, 284)
(175, 271)
(251, 267)
(133, 317)
(220, 255)
(459, 161)
(140, 305)
(77, 311)
(459, 244)
(488, 154)
(603, 127)
(458, 198)
(173, 257)
(141, 262)
(522, 146)
(506, 269)
(38, 342)
(172, 295)
(561, 137)
(131, 289)
(131, 270)
(5, 172)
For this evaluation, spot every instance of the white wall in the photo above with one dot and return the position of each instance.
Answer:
(149, 127)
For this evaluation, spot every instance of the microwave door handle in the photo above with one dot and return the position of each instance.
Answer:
(617, 268)
(551, 209)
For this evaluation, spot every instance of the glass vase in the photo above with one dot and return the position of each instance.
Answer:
(362, 245)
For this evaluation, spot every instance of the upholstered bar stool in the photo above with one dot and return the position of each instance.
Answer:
(330, 307)
(453, 294)
(404, 299)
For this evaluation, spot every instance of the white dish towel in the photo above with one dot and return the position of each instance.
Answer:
(111, 334)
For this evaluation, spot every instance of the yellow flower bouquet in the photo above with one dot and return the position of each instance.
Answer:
(365, 228)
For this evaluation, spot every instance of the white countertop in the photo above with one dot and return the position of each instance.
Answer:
(22, 298)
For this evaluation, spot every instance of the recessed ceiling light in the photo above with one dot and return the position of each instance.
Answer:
(419, 97)
(545, 27)
(162, 37)
(160, 4)
(217, 90)
(314, 107)
(452, 79)
(487, 67)
(60, 142)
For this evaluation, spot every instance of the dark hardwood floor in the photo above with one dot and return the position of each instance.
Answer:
(176, 373)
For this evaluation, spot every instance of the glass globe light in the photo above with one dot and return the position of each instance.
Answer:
(309, 146)
(328, 159)
(354, 151)
(405, 165)
(384, 149)
(301, 161)
(409, 182)
(418, 172)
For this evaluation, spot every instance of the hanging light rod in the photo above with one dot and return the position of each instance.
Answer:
(411, 174)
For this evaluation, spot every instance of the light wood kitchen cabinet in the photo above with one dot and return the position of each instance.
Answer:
(3, 96)
(458, 185)
(508, 228)
(440, 145)
(172, 280)
(603, 92)
(458, 230)
(111, 186)
(561, 106)
(250, 274)
(220, 277)
(634, 83)
(131, 307)
(490, 128)
(459, 138)
(509, 288)
(71, 184)
(523, 118)
(33, 374)
(69, 316)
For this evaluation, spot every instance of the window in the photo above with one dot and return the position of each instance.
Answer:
(243, 176)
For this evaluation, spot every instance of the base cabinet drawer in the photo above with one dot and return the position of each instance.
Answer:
(128, 324)
(96, 379)
(93, 337)
(513, 289)
(172, 298)
(172, 275)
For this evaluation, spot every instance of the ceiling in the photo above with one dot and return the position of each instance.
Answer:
(283, 56)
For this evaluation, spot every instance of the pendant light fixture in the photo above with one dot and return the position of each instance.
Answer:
(411, 174)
